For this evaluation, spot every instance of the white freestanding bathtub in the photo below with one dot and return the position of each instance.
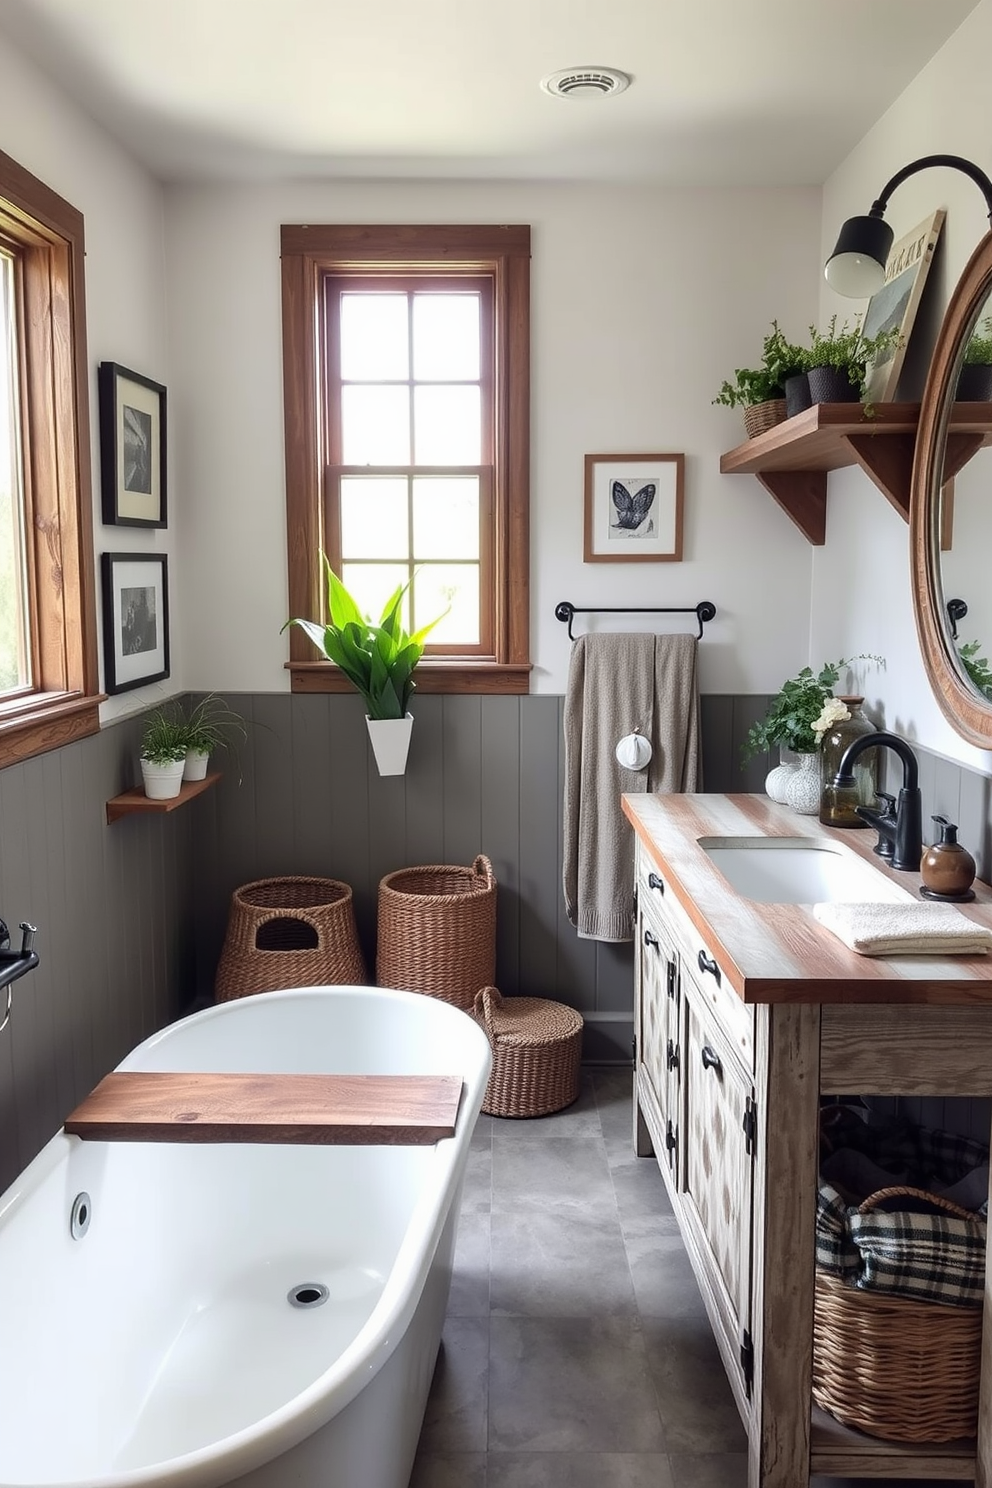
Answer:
(161, 1346)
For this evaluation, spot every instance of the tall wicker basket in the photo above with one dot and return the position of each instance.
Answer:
(437, 931)
(289, 932)
(897, 1368)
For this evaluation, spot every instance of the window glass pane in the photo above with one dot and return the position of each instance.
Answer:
(374, 517)
(446, 517)
(447, 426)
(437, 585)
(375, 425)
(371, 584)
(14, 665)
(446, 337)
(374, 337)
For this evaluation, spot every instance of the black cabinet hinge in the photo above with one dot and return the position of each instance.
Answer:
(750, 1125)
(633, 1049)
(671, 1136)
(747, 1360)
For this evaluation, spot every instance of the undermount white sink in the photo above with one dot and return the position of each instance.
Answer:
(798, 870)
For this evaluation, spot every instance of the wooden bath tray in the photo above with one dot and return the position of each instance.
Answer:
(394, 1110)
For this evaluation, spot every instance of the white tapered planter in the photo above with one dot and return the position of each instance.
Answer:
(162, 782)
(390, 742)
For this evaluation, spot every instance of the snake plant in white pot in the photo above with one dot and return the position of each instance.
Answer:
(378, 659)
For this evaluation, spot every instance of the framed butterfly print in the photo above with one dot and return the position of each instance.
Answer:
(634, 508)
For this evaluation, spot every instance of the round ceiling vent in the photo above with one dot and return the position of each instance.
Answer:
(586, 82)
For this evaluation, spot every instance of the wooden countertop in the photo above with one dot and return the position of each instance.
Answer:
(772, 953)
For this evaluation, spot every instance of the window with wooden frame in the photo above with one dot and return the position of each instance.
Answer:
(406, 386)
(49, 688)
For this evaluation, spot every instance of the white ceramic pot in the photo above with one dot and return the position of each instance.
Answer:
(802, 792)
(162, 782)
(195, 767)
(390, 742)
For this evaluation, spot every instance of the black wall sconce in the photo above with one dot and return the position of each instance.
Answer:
(856, 268)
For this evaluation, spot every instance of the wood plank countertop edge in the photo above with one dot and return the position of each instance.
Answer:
(328, 1109)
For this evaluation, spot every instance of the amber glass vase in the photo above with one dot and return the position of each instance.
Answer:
(837, 805)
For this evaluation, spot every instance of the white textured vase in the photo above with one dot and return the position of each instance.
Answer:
(802, 791)
(777, 780)
(390, 742)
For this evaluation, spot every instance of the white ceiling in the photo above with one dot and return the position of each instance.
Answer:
(746, 91)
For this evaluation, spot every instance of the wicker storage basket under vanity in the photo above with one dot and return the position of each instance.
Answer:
(289, 932)
(437, 931)
(537, 1053)
(897, 1368)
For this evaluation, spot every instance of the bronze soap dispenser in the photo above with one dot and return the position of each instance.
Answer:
(947, 869)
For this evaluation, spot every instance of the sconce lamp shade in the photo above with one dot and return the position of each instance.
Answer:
(856, 268)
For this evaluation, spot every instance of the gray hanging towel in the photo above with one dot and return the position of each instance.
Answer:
(616, 684)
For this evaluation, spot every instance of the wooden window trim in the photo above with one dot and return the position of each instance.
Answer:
(309, 252)
(64, 704)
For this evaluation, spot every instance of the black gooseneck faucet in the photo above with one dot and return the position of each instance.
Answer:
(900, 832)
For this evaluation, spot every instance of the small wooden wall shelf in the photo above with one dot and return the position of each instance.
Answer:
(322, 1110)
(136, 800)
(792, 459)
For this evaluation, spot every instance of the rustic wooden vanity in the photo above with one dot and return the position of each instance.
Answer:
(746, 1013)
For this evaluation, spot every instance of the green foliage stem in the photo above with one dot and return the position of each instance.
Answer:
(793, 711)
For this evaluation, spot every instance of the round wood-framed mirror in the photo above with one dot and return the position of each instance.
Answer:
(950, 453)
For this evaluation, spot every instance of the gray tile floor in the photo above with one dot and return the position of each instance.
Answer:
(577, 1353)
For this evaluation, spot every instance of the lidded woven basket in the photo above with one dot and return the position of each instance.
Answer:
(289, 932)
(892, 1366)
(537, 1054)
(437, 931)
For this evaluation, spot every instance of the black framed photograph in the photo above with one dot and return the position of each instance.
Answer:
(132, 448)
(135, 619)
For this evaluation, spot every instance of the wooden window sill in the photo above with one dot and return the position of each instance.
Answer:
(435, 676)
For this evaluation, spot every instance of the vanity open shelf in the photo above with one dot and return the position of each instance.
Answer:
(792, 459)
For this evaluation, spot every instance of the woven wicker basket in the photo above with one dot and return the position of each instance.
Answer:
(762, 416)
(437, 931)
(537, 1053)
(893, 1367)
(289, 932)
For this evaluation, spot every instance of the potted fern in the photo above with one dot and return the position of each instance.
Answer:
(838, 361)
(378, 659)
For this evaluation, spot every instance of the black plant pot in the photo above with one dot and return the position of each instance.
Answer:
(797, 397)
(831, 385)
(975, 383)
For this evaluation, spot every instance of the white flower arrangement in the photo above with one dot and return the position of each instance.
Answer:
(834, 710)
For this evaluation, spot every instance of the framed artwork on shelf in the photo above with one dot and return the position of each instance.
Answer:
(897, 302)
(135, 619)
(132, 448)
(633, 508)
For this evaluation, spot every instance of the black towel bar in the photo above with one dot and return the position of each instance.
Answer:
(703, 611)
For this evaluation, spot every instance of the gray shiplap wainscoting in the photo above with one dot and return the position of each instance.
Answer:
(114, 911)
(131, 917)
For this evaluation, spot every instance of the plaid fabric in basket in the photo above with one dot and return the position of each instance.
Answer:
(929, 1256)
(902, 1245)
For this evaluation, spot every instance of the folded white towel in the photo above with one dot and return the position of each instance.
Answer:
(910, 929)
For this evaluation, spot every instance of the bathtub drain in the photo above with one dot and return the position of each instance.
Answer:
(307, 1294)
(79, 1217)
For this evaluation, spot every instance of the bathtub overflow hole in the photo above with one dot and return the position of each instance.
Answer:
(308, 1294)
(79, 1217)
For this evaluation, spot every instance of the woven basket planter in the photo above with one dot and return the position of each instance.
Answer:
(537, 1054)
(289, 932)
(437, 931)
(897, 1368)
(761, 416)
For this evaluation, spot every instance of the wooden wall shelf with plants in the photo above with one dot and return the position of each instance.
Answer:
(792, 459)
(132, 801)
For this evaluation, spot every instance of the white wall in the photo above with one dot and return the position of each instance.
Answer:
(862, 599)
(125, 269)
(642, 302)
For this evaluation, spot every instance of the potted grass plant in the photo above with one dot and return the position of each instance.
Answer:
(163, 753)
(210, 725)
(379, 660)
